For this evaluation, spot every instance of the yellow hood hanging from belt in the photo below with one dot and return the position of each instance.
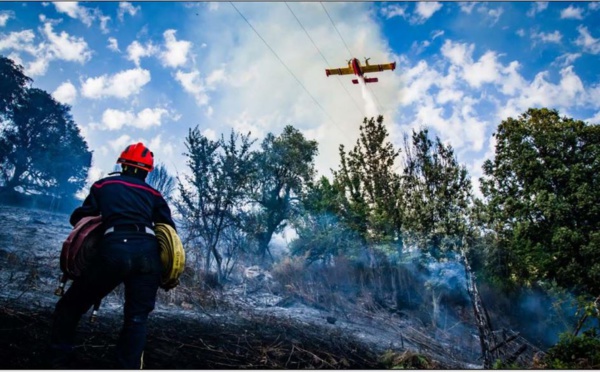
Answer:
(172, 255)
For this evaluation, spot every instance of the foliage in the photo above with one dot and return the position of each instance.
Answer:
(220, 172)
(14, 84)
(41, 148)
(283, 167)
(437, 196)
(162, 181)
(321, 237)
(322, 197)
(543, 200)
(369, 187)
(499, 364)
(575, 352)
(407, 360)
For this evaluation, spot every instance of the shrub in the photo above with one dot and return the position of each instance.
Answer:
(575, 352)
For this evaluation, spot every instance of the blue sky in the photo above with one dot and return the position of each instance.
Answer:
(150, 71)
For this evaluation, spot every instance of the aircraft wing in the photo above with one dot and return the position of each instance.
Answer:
(339, 71)
(375, 68)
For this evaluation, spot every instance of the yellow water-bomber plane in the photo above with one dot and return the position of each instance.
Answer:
(354, 67)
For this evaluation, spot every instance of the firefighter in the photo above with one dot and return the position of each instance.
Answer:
(128, 253)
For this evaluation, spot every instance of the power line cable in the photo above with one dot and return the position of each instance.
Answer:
(336, 29)
(290, 71)
(325, 59)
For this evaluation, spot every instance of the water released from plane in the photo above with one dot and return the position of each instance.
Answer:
(370, 106)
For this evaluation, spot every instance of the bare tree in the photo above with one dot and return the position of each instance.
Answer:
(162, 181)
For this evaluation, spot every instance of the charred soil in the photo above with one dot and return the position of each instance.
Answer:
(185, 342)
(242, 325)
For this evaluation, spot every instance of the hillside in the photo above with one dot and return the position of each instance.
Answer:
(246, 324)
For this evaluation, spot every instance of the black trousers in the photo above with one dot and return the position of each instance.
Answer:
(124, 257)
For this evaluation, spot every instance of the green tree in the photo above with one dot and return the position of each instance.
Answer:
(437, 196)
(370, 187)
(41, 148)
(13, 82)
(213, 194)
(542, 199)
(283, 167)
(322, 197)
(321, 237)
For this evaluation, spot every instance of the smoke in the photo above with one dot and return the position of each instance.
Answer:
(370, 107)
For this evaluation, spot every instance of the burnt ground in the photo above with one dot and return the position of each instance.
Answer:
(231, 328)
(185, 342)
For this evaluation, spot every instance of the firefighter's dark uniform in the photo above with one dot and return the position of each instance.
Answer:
(128, 254)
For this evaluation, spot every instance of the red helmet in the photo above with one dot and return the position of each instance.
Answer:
(137, 155)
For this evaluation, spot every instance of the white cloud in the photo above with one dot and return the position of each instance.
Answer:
(74, 10)
(5, 16)
(419, 47)
(66, 47)
(593, 5)
(192, 83)
(566, 59)
(210, 134)
(461, 128)
(135, 51)
(113, 44)
(15, 57)
(537, 7)
(436, 34)
(126, 8)
(37, 67)
(571, 12)
(587, 41)
(393, 10)
(65, 93)
(103, 21)
(446, 95)
(458, 53)
(113, 119)
(495, 14)
(160, 148)
(120, 143)
(424, 10)
(486, 70)
(512, 82)
(120, 85)
(85, 15)
(467, 6)
(20, 41)
(568, 92)
(520, 32)
(418, 81)
(594, 119)
(215, 77)
(554, 37)
(177, 51)
(55, 47)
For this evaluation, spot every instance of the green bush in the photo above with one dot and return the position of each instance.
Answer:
(575, 352)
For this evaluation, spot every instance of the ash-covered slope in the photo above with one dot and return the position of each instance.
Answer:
(229, 328)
